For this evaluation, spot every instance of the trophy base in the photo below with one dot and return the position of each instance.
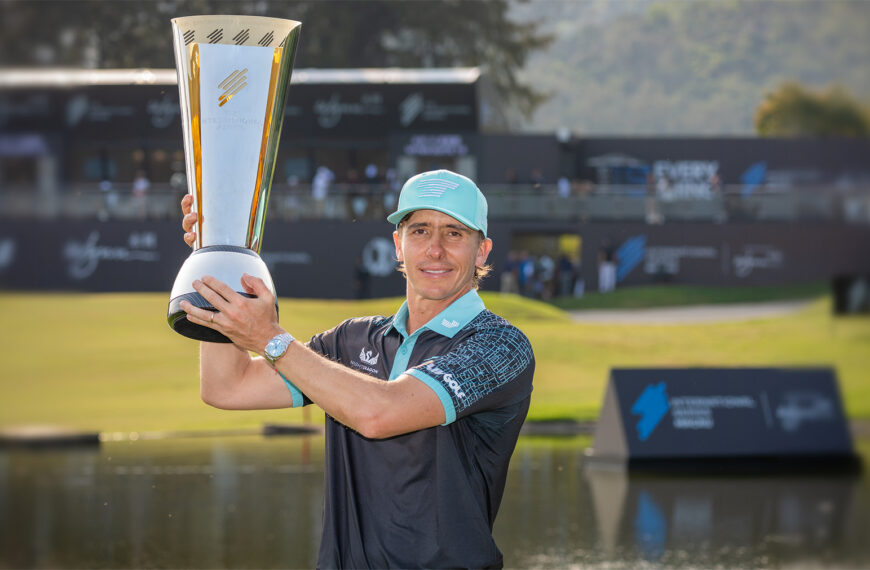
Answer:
(224, 262)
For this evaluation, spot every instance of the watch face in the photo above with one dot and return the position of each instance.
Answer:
(273, 349)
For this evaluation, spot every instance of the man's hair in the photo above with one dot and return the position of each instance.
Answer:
(480, 272)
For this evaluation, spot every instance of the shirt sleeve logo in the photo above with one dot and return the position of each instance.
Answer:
(447, 379)
(369, 356)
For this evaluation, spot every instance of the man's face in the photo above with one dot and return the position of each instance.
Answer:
(440, 254)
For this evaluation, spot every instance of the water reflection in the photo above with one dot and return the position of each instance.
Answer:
(201, 504)
(609, 518)
(255, 502)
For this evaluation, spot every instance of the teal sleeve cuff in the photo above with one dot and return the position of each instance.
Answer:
(295, 393)
(440, 391)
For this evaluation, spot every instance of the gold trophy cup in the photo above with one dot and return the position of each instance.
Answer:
(233, 74)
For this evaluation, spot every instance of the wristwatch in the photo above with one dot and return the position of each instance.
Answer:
(277, 346)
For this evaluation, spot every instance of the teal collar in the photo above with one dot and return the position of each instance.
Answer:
(449, 321)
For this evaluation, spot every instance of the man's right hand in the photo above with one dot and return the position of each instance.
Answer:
(188, 222)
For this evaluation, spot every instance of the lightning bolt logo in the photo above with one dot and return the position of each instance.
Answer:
(234, 82)
(651, 406)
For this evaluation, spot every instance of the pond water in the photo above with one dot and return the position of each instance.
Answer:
(255, 502)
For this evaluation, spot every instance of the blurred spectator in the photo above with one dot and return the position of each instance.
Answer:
(359, 194)
(607, 263)
(323, 177)
(110, 200)
(373, 190)
(510, 176)
(391, 178)
(526, 274)
(653, 215)
(715, 184)
(509, 277)
(665, 188)
(545, 270)
(372, 174)
(291, 198)
(141, 184)
(536, 177)
(564, 187)
(566, 276)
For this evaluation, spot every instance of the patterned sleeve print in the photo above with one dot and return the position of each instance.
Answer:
(481, 365)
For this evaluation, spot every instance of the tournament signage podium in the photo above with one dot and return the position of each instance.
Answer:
(666, 415)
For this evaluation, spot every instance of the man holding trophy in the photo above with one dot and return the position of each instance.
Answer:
(423, 408)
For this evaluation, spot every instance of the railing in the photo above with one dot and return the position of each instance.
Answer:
(506, 203)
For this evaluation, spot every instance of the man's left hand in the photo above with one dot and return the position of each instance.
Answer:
(248, 322)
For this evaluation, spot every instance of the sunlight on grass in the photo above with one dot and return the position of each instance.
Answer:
(110, 362)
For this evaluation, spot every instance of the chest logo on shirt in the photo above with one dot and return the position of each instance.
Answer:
(449, 324)
(369, 356)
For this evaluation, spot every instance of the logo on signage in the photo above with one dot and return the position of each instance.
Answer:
(799, 408)
(415, 107)
(379, 257)
(410, 108)
(83, 258)
(757, 257)
(7, 253)
(685, 178)
(630, 254)
(234, 82)
(436, 145)
(330, 111)
(651, 406)
(162, 111)
(80, 108)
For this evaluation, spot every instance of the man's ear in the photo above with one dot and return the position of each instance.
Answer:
(398, 243)
(483, 252)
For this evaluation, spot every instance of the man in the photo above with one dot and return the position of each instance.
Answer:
(423, 407)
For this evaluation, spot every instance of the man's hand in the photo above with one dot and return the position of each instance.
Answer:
(249, 322)
(188, 222)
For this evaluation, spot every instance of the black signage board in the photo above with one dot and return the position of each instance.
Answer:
(662, 414)
(342, 109)
(344, 259)
(307, 259)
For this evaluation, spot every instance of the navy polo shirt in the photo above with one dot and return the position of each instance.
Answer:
(426, 499)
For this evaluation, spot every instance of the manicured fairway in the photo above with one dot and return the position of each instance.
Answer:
(109, 362)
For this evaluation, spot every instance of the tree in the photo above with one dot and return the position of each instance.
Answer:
(795, 111)
(335, 34)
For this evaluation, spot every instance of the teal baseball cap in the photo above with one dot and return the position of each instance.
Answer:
(444, 191)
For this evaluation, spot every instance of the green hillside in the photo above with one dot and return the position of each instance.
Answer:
(694, 68)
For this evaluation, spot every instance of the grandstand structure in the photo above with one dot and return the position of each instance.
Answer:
(87, 153)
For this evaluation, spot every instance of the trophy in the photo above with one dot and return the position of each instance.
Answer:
(233, 74)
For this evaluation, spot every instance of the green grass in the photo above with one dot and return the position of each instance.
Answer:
(679, 295)
(109, 361)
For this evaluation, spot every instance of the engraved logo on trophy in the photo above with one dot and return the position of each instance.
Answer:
(230, 157)
(234, 83)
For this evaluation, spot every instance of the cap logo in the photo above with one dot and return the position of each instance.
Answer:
(434, 188)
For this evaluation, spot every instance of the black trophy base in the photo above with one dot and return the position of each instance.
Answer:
(226, 263)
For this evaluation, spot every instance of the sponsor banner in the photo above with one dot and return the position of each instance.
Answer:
(697, 167)
(725, 254)
(319, 260)
(110, 112)
(727, 412)
(357, 259)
